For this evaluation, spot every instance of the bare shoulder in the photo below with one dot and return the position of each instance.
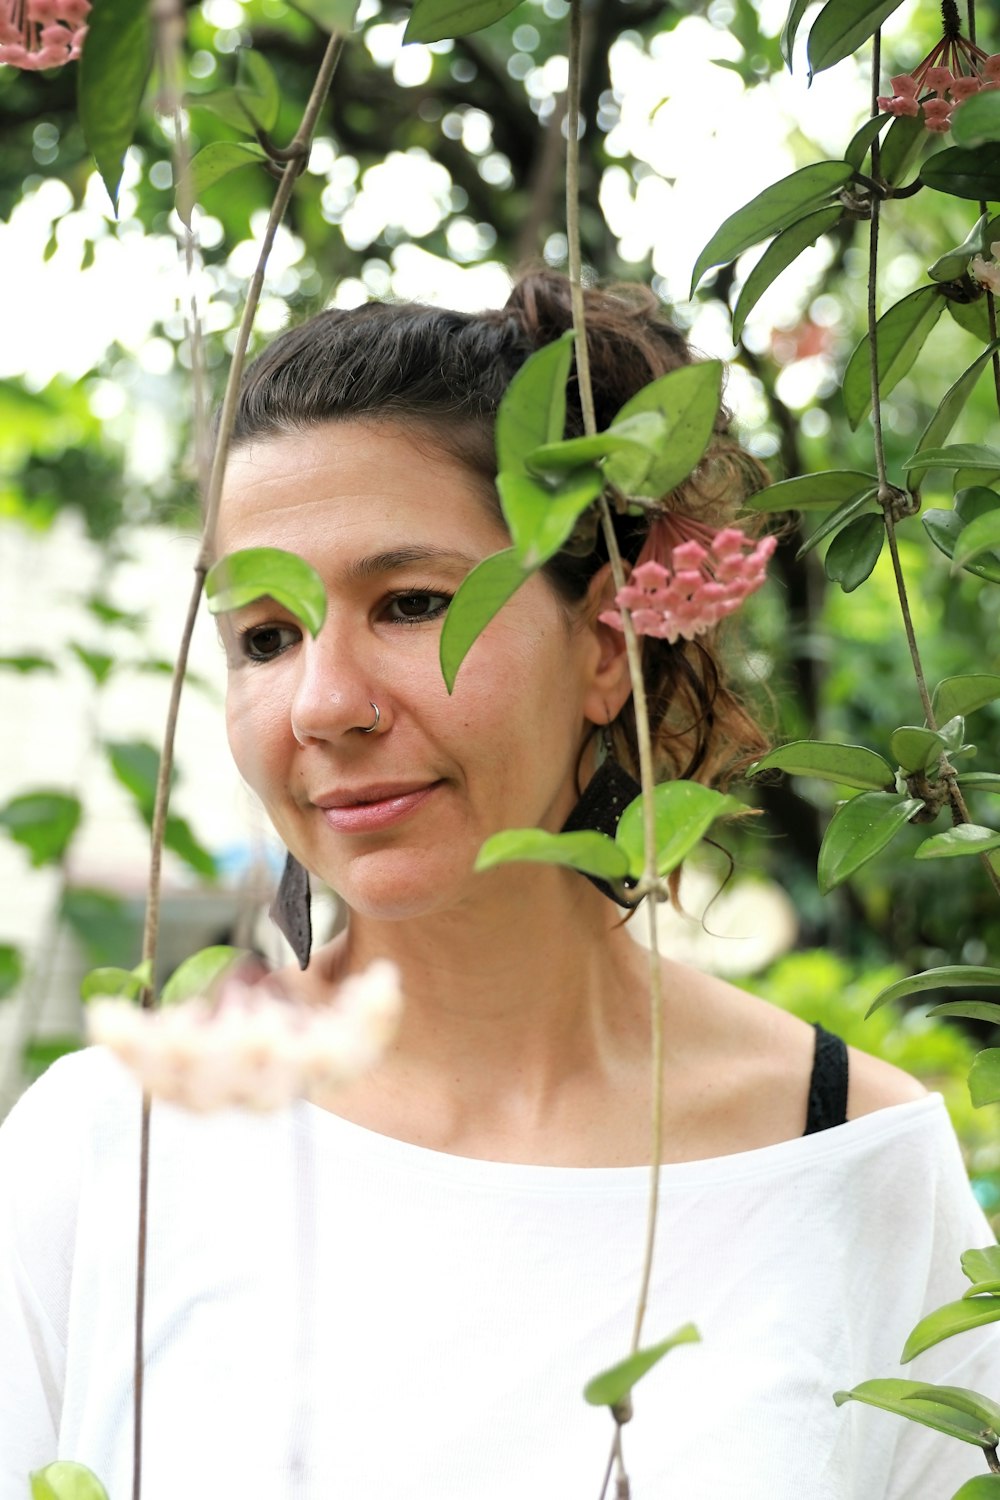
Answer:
(873, 1084)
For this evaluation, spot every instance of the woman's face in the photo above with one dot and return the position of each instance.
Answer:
(393, 819)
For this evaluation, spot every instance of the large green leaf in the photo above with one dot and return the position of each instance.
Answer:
(854, 551)
(267, 573)
(785, 248)
(969, 1010)
(964, 171)
(43, 823)
(984, 1077)
(612, 1386)
(983, 1487)
(541, 519)
(11, 969)
(211, 164)
(113, 69)
(945, 1322)
(976, 120)
(917, 749)
(899, 1396)
(66, 1481)
(200, 973)
(948, 977)
(973, 316)
(901, 146)
(533, 410)
(861, 141)
(947, 413)
(557, 459)
(848, 765)
(434, 20)
(944, 527)
(960, 1398)
(771, 211)
(688, 400)
(479, 597)
(979, 536)
(586, 850)
(963, 695)
(789, 31)
(900, 335)
(964, 839)
(813, 491)
(859, 830)
(684, 812)
(837, 520)
(843, 26)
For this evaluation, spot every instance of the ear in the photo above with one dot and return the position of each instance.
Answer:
(610, 684)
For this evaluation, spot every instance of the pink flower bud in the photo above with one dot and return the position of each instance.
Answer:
(964, 88)
(991, 68)
(903, 106)
(938, 79)
(904, 86)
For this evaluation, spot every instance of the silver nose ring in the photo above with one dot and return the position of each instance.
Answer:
(372, 727)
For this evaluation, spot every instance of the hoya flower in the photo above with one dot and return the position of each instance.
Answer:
(954, 69)
(688, 577)
(250, 1045)
(987, 272)
(41, 33)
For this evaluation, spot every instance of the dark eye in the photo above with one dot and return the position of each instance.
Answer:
(415, 607)
(264, 642)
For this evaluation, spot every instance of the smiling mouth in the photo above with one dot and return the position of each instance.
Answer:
(374, 808)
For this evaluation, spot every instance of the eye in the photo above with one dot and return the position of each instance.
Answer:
(260, 643)
(415, 607)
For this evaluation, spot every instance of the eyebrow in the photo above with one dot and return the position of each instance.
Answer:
(401, 557)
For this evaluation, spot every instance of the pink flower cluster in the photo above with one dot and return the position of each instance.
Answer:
(971, 72)
(41, 33)
(251, 1046)
(683, 584)
(987, 272)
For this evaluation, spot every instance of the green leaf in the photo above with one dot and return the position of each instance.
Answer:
(954, 399)
(685, 811)
(979, 781)
(843, 26)
(562, 457)
(257, 88)
(790, 29)
(533, 410)
(966, 838)
(854, 551)
(899, 1396)
(211, 164)
(983, 1487)
(973, 316)
(113, 70)
(594, 853)
(107, 929)
(963, 695)
(970, 1010)
(179, 838)
(944, 527)
(479, 597)
(984, 1077)
(859, 830)
(267, 573)
(136, 765)
(837, 521)
(813, 491)
(66, 1481)
(332, 15)
(982, 1265)
(688, 400)
(902, 144)
(900, 336)
(976, 120)
(959, 1398)
(949, 976)
(861, 140)
(944, 1322)
(97, 663)
(780, 253)
(849, 765)
(964, 171)
(916, 749)
(979, 536)
(11, 969)
(953, 263)
(43, 823)
(225, 104)
(434, 20)
(112, 981)
(541, 520)
(199, 974)
(771, 211)
(28, 662)
(612, 1386)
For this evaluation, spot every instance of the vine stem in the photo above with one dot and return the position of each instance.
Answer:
(169, 43)
(646, 771)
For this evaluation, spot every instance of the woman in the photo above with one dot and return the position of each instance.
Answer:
(404, 1295)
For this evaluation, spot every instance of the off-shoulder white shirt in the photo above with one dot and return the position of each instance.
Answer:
(336, 1315)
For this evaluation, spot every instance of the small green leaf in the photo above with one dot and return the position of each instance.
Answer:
(862, 139)
(945, 1322)
(973, 316)
(976, 120)
(257, 88)
(179, 838)
(964, 171)
(112, 981)
(953, 263)
(199, 974)
(837, 521)
(11, 969)
(859, 830)
(97, 663)
(954, 399)
(267, 572)
(979, 536)
(780, 253)
(136, 765)
(541, 520)
(771, 211)
(227, 105)
(949, 976)
(66, 1481)
(966, 838)
(843, 26)
(106, 928)
(916, 749)
(854, 551)
(28, 662)
(849, 765)
(979, 781)
(984, 1078)
(43, 823)
(899, 1397)
(685, 811)
(533, 410)
(813, 491)
(114, 67)
(982, 1265)
(212, 163)
(479, 597)
(789, 31)
(332, 15)
(688, 400)
(983, 1487)
(611, 1387)
(593, 853)
(901, 146)
(434, 20)
(963, 695)
(944, 527)
(571, 453)
(970, 1010)
(900, 335)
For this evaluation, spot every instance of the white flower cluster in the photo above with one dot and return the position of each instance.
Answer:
(251, 1046)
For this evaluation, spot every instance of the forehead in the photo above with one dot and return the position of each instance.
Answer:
(351, 483)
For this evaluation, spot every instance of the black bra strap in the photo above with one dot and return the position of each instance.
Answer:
(828, 1085)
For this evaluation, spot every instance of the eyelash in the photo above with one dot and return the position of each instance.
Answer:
(246, 635)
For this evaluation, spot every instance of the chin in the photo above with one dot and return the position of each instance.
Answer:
(397, 886)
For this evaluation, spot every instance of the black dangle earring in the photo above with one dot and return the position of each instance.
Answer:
(606, 796)
(290, 911)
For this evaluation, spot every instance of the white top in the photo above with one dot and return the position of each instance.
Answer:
(335, 1315)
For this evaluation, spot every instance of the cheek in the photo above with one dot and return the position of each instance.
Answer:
(258, 731)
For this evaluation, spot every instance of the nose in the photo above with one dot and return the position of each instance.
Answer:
(340, 682)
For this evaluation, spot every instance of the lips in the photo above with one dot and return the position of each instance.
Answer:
(367, 809)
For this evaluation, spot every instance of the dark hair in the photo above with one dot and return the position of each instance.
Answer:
(445, 373)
